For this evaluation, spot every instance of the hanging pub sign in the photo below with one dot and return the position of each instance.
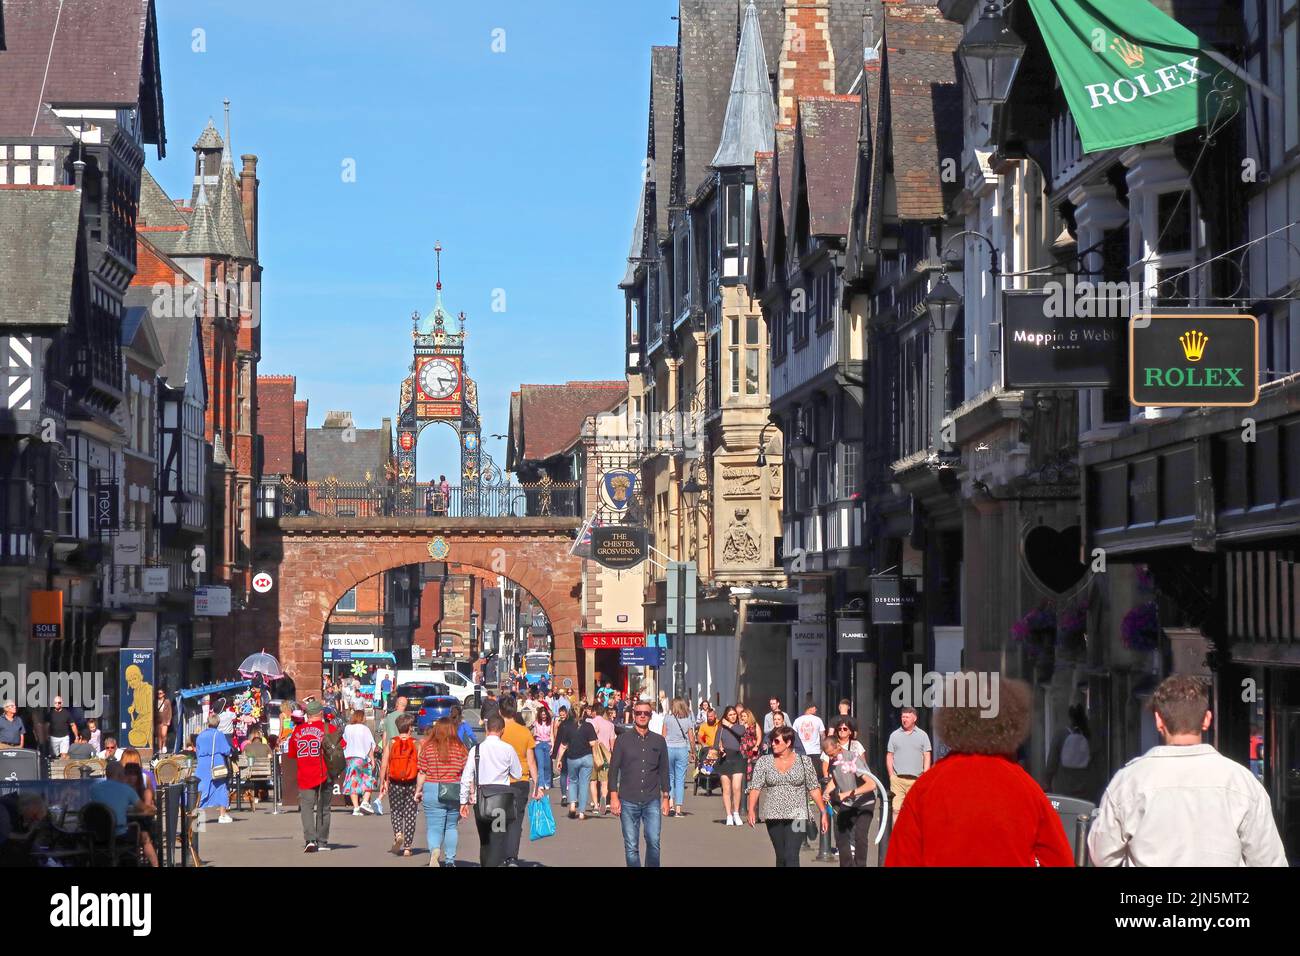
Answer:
(1067, 336)
(617, 487)
(893, 599)
(618, 547)
(1193, 357)
(106, 514)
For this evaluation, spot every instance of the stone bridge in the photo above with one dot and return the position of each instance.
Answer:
(316, 559)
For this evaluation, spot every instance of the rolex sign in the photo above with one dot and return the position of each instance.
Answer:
(1192, 358)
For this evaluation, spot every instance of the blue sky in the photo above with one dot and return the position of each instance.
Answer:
(526, 165)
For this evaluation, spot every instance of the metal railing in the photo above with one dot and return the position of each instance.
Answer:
(376, 499)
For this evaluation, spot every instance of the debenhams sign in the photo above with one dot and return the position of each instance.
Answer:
(1193, 358)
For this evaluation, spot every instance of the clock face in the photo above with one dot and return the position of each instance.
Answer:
(439, 378)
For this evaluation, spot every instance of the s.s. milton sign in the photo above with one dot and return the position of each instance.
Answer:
(618, 548)
(1193, 357)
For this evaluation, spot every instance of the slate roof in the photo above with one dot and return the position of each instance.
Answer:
(751, 112)
(638, 235)
(155, 208)
(38, 253)
(328, 455)
(663, 92)
(762, 190)
(175, 331)
(98, 57)
(827, 151)
(551, 417)
(925, 107)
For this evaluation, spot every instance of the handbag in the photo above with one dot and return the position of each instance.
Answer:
(491, 807)
(218, 774)
(449, 793)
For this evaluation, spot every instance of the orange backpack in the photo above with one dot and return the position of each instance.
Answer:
(403, 762)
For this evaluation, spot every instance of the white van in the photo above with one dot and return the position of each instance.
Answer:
(461, 687)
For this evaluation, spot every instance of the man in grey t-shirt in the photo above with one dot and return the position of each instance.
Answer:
(908, 757)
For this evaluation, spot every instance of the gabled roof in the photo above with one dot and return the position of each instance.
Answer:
(826, 145)
(38, 253)
(140, 334)
(638, 236)
(91, 53)
(778, 200)
(751, 112)
(756, 255)
(925, 106)
(330, 454)
(175, 329)
(551, 417)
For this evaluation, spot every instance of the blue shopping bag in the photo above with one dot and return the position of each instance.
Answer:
(541, 822)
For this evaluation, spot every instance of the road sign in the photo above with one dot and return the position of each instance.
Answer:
(262, 582)
(641, 656)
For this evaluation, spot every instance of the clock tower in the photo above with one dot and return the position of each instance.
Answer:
(439, 389)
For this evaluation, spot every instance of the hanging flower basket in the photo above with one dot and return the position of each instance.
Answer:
(1036, 630)
(1073, 627)
(1140, 628)
(1145, 580)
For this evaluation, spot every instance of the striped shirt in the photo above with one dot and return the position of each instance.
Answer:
(445, 769)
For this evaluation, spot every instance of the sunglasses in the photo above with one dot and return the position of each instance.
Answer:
(642, 713)
(843, 730)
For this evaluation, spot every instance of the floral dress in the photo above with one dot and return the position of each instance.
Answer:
(749, 746)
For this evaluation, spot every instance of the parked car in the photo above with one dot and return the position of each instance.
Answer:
(466, 692)
(416, 691)
(434, 707)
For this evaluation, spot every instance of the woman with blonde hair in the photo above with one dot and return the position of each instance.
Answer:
(679, 734)
(441, 763)
(750, 745)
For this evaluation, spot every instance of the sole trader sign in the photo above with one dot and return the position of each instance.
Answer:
(1193, 358)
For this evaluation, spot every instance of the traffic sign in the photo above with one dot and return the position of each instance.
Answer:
(641, 656)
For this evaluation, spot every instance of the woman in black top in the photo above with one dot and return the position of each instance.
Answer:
(731, 735)
(574, 738)
(562, 765)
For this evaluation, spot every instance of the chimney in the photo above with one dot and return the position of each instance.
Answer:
(807, 66)
(248, 197)
(300, 439)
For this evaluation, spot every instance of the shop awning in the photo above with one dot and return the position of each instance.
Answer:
(1131, 74)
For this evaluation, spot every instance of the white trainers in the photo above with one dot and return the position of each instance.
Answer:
(225, 819)
(357, 812)
(731, 821)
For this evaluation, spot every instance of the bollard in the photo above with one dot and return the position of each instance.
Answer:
(824, 854)
(167, 810)
(189, 804)
(275, 781)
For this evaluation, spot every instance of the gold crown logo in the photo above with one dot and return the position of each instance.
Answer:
(1130, 53)
(1194, 344)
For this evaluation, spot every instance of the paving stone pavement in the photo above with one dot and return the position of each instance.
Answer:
(261, 838)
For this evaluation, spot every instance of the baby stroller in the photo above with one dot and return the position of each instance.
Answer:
(706, 770)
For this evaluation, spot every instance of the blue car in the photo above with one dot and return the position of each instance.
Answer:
(427, 701)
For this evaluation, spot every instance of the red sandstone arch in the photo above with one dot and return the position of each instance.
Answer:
(316, 560)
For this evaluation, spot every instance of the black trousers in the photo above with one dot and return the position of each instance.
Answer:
(515, 829)
(492, 833)
(786, 841)
(853, 826)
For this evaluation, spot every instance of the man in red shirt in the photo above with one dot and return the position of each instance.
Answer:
(315, 786)
(977, 806)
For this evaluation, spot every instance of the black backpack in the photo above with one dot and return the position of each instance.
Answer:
(331, 748)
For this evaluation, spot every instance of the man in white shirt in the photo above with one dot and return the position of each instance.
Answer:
(1184, 803)
(773, 708)
(811, 730)
(495, 763)
(556, 701)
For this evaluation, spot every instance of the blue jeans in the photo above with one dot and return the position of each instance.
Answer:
(633, 816)
(678, 761)
(579, 778)
(543, 754)
(440, 822)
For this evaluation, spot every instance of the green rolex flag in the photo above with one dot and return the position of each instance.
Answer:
(1130, 73)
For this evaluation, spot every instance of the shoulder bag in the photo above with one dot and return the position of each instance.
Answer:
(217, 773)
(490, 807)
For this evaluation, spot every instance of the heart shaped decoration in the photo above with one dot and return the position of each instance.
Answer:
(1052, 557)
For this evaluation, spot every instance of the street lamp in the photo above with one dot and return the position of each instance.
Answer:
(65, 482)
(690, 492)
(990, 56)
(942, 302)
(801, 450)
(762, 445)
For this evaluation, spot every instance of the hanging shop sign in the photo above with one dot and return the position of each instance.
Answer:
(808, 640)
(852, 635)
(618, 547)
(212, 600)
(1151, 78)
(128, 549)
(155, 580)
(893, 599)
(771, 613)
(47, 614)
(1188, 358)
(106, 512)
(1047, 343)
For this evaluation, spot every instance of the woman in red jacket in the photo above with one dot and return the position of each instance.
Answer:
(977, 806)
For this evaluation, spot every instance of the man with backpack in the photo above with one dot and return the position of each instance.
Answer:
(316, 748)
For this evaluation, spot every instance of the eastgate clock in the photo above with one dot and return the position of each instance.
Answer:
(439, 378)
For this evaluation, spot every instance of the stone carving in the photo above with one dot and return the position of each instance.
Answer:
(407, 386)
(774, 483)
(740, 544)
(741, 482)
